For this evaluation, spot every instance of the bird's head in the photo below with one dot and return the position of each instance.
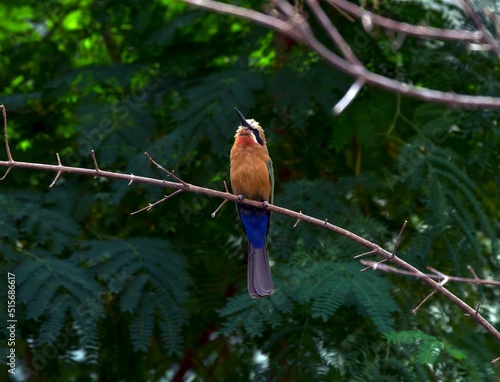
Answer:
(250, 129)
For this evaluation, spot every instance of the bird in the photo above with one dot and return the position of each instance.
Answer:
(252, 177)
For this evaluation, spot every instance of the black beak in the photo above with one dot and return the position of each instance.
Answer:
(244, 122)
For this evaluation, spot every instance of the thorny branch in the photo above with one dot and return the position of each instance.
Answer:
(298, 216)
(289, 21)
(435, 275)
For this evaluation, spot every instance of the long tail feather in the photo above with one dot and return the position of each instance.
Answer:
(260, 282)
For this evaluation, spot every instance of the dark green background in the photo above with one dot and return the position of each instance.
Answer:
(105, 296)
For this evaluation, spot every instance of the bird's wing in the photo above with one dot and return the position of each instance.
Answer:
(269, 164)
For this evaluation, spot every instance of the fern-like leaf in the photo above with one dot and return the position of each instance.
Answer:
(144, 267)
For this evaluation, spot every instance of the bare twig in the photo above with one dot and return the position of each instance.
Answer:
(6, 135)
(419, 275)
(58, 173)
(471, 270)
(348, 97)
(7, 147)
(398, 238)
(218, 208)
(298, 220)
(6, 173)
(333, 33)
(169, 173)
(151, 205)
(222, 204)
(92, 153)
(375, 265)
(495, 20)
(365, 253)
(346, 50)
(415, 310)
(476, 20)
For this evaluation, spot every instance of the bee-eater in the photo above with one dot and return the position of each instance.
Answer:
(252, 178)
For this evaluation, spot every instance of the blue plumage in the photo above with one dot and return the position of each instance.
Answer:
(256, 223)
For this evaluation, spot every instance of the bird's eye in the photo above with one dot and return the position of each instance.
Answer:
(257, 136)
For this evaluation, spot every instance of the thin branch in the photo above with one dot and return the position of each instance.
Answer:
(151, 205)
(420, 31)
(6, 135)
(488, 12)
(297, 28)
(6, 173)
(346, 50)
(218, 208)
(398, 238)
(333, 33)
(7, 147)
(169, 173)
(437, 275)
(59, 172)
(365, 253)
(415, 310)
(222, 204)
(348, 97)
(471, 270)
(92, 153)
(374, 266)
(476, 20)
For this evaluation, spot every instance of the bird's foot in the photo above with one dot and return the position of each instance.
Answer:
(265, 204)
(240, 198)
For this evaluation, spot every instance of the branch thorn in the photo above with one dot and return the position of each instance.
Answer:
(58, 173)
(398, 238)
(298, 220)
(477, 310)
(92, 153)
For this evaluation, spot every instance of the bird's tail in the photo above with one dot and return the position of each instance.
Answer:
(260, 281)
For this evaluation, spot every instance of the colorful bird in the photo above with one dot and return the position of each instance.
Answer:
(252, 178)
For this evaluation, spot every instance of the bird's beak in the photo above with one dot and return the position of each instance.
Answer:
(244, 122)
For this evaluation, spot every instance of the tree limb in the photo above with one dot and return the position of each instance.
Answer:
(296, 27)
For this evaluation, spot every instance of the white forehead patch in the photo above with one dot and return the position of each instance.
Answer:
(241, 130)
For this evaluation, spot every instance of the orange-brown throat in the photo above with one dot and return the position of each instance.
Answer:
(245, 140)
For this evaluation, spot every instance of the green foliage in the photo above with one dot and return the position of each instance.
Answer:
(51, 288)
(157, 285)
(105, 296)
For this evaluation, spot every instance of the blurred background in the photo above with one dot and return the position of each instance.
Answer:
(161, 296)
